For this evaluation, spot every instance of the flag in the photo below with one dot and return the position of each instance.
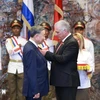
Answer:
(28, 14)
(58, 14)
(24, 32)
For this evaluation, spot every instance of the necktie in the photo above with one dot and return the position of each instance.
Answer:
(58, 46)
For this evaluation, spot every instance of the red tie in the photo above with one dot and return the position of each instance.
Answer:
(59, 45)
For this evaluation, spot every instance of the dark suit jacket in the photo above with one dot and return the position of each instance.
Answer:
(35, 71)
(64, 64)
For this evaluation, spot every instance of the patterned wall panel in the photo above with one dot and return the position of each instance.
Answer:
(74, 10)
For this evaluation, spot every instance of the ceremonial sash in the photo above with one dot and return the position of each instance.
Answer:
(44, 46)
(15, 43)
(83, 67)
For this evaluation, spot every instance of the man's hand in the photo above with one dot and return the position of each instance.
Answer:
(19, 45)
(43, 52)
(36, 96)
(89, 74)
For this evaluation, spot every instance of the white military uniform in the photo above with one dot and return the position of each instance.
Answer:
(15, 54)
(89, 47)
(48, 45)
(84, 57)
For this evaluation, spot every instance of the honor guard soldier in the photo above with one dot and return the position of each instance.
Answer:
(79, 27)
(47, 44)
(14, 46)
(85, 61)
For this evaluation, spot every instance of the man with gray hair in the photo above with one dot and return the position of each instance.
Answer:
(64, 74)
(35, 83)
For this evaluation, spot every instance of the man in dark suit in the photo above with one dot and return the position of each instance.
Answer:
(64, 74)
(35, 83)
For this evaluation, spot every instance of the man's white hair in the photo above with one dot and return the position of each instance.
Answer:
(62, 25)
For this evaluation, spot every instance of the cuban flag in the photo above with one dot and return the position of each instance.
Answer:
(27, 15)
